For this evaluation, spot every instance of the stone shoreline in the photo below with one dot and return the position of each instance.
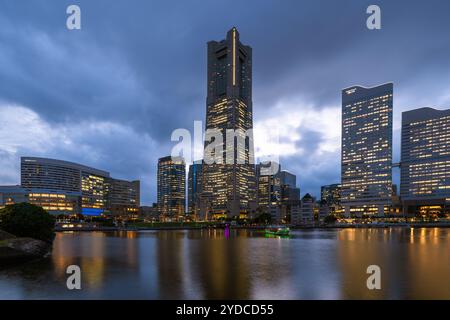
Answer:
(14, 250)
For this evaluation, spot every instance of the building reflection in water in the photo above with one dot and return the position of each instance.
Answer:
(220, 265)
(98, 254)
(170, 264)
(87, 252)
(413, 265)
(209, 264)
(202, 264)
(428, 264)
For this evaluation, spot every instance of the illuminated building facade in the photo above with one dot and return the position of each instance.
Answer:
(290, 194)
(171, 188)
(288, 179)
(425, 161)
(268, 184)
(366, 159)
(63, 187)
(331, 196)
(229, 186)
(307, 209)
(55, 202)
(194, 187)
(60, 176)
(11, 195)
(123, 197)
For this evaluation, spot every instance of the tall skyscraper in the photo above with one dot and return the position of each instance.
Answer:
(330, 195)
(123, 197)
(366, 171)
(229, 186)
(290, 194)
(268, 184)
(171, 188)
(288, 179)
(194, 186)
(425, 161)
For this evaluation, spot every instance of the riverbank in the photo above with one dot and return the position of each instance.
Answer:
(199, 226)
(14, 250)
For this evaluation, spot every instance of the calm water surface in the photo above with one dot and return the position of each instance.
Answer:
(241, 264)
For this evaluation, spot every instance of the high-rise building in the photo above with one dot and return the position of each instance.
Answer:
(171, 188)
(307, 209)
(194, 187)
(123, 197)
(58, 175)
(425, 161)
(268, 184)
(366, 171)
(288, 179)
(330, 195)
(63, 187)
(290, 194)
(229, 181)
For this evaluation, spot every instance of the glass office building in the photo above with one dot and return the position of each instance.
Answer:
(53, 201)
(171, 188)
(63, 187)
(425, 161)
(229, 186)
(268, 184)
(123, 197)
(194, 186)
(62, 176)
(366, 158)
(330, 195)
(290, 194)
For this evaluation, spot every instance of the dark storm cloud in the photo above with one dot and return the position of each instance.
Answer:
(142, 64)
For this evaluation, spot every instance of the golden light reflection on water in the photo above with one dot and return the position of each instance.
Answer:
(429, 264)
(216, 267)
(414, 263)
(90, 252)
(207, 264)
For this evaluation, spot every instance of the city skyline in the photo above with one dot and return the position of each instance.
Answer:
(52, 125)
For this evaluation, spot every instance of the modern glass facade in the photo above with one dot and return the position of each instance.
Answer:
(268, 184)
(54, 202)
(50, 174)
(330, 196)
(60, 176)
(366, 159)
(93, 188)
(229, 186)
(290, 194)
(123, 197)
(288, 179)
(66, 187)
(171, 188)
(425, 160)
(194, 186)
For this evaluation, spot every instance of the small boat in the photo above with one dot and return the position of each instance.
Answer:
(277, 231)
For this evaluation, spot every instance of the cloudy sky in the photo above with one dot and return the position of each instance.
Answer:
(110, 95)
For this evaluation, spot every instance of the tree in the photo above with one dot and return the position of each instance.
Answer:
(27, 220)
(264, 218)
(329, 219)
